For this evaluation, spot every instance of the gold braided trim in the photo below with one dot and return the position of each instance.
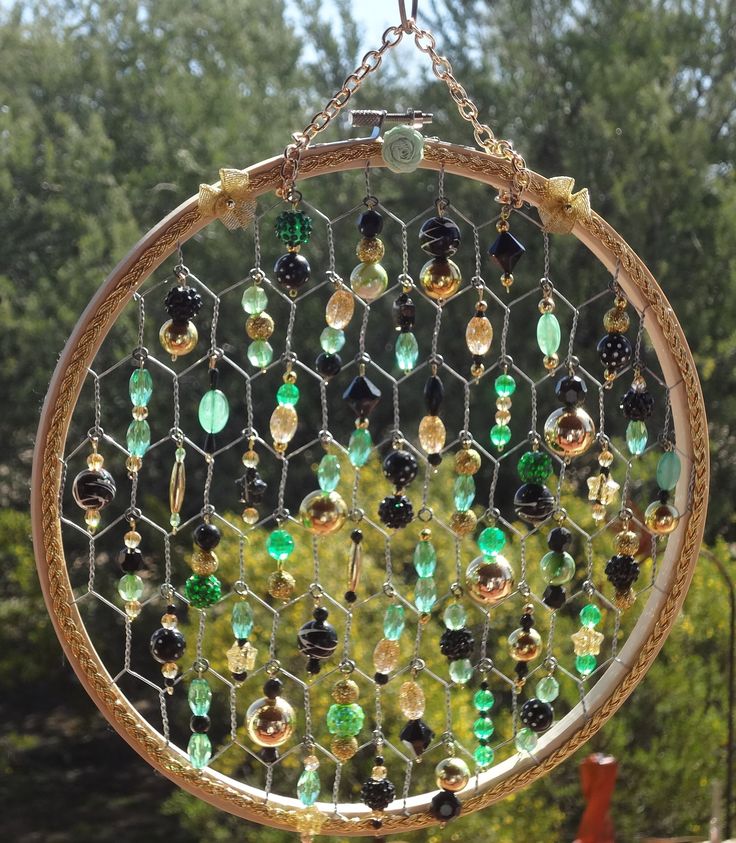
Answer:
(62, 401)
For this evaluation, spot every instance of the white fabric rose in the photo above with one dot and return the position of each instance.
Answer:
(403, 149)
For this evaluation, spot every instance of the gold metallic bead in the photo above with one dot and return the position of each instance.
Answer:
(132, 538)
(432, 434)
(368, 280)
(467, 461)
(133, 609)
(546, 305)
(477, 369)
(339, 310)
(551, 362)
(204, 562)
(479, 335)
(440, 278)
(281, 585)
(259, 326)
(270, 722)
(524, 644)
(569, 432)
(133, 464)
(323, 513)
(411, 700)
(370, 249)
(452, 774)
(170, 670)
(250, 458)
(489, 580)
(345, 691)
(250, 515)
(626, 543)
(140, 413)
(386, 655)
(289, 376)
(283, 424)
(661, 518)
(95, 461)
(463, 523)
(507, 279)
(624, 599)
(503, 417)
(178, 339)
(343, 748)
(616, 321)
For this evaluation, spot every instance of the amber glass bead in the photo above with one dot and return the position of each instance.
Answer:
(281, 585)
(323, 513)
(411, 700)
(178, 338)
(204, 562)
(479, 335)
(661, 518)
(270, 722)
(440, 278)
(463, 523)
(616, 321)
(343, 748)
(524, 644)
(386, 655)
(467, 461)
(432, 434)
(345, 691)
(340, 309)
(626, 543)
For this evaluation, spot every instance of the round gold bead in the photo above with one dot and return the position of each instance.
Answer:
(95, 461)
(204, 562)
(551, 362)
(411, 700)
(425, 535)
(323, 513)
(270, 722)
(452, 774)
(345, 691)
(546, 305)
(343, 748)
(250, 458)
(281, 585)
(386, 655)
(259, 326)
(463, 523)
(379, 772)
(467, 461)
(477, 369)
(250, 515)
(169, 620)
(616, 321)
(488, 581)
(626, 543)
(569, 432)
(339, 310)
(370, 249)
(440, 278)
(503, 402)
(524, 644)
(507, 279)
(178, 338)
(624, 599)
(661, 518)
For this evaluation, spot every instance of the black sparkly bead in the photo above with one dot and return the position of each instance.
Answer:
(131, 560)
(377, 794)
(396, 511)
(317, 639)
(167, 645)
(400, 467)
(622, 572)
(207, 536)
(272, 688)
(362, 395)
(328, 365)
(521, 669)
(571, 390)
(559, 539)
(182, 303)
(533, 502)
(445, 806)
(404, 312)
(614, 351)
(434, 394)
(439, 237)
(457, 643)
(350, 597)
(93, 488)
(637, 405)
(537, 715)
(554, 596)
(506, 251)
(417, 736)
(292, 271)
(370, 223)
(200, 723)
(381, 678)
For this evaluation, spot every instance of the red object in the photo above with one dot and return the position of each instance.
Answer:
(598, 778)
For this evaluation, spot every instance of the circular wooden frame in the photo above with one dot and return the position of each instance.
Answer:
(619, 680)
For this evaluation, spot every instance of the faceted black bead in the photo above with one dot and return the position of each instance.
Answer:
(292, 270)
(622, 572)
(317, 640)
(328, 365)
(559, 539)
(396, 511)
(381, 678)
(377, 794)
(131, 560)
(272, 687)
(445, 806)
(533, 502)
(526, 622)
(199, 723)
(405, 312)
(182, 303)
(416, 736)
(554, 596)
(207, 536)
(434, 393)
(370, 223)
(506, 251)
(313, 666)
(362, 395)
(93, 489)
(400, 467)
(457, 643)
(439, 237)
(521, 669)
(637, 405)
(614, 351)
(537, 715)
(350, 597)
(167, 645)
(571, 390)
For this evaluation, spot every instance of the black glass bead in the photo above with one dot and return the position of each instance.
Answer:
(457, 643)
(533, 502)
(537, 715)
(291, 271)
(320, 613)
(434, 459)
(526, 622)
(400, 467)
(167, 645)
(356, 536)
(622, 572)
(269, 754)
(571, 390)
(131, 560)
(559, 539)
(93, 488)
(362, 395)
(417, 736)
(313, 666)
(614, 351)
(554, 596)
(506, 251)
(199, 723)
(381, 678)
(439, 237)
(434, 393)
(405, 312)
(370, 223)
(396, 511)
(207, 536)
(663, 496)
(182, 303)
(317, 639)
(169, 683)
(377, 794)
(521, 669)
(350, 597)
(272, 687)
(378, 760)
(637, 405)
(239, 677)
(376, 823)
(445, 806)
(328, 365)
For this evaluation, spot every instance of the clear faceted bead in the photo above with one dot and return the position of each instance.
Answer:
(393, 622)
(360, 447)
(548, 689)
(407, 351)
(332, 340)
(636, 437)
(254, 300)
(140, 387)
(199, 697)
(308, 787)
(199, 750)
(138, 437)
(242, 619)
(425, 594)
(455, 616)
(328, 473)
(461, 671)
(425, 558)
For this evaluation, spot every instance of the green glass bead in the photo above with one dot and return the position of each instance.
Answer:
(214, 411)
(483, 728)
(287, 395)
(558, 567)
(294, 228)
(548, 334)
(505, 386)
(425, 559)
(483, 699)
(461, 671)
(175, 520)
(636, 437)
(455, 616)
(407, 351)
(130, 587)
(534, 466)
(585, 665)
(425, 594)
(200, 750)
(526, 740)
(345, 721)
(138, 437)
(203, 591)
(484, 756)
(668, 470)
(548, 689)
(360, 447)
(332, 340)
(590, 615)
(140, 387)
(491, 541)
(328, 473)
(199, 696)
(241, 619)
(260, 354)
(279, 545)
(308, 787)
(464, 492)
(393, 622)
(500, 435)
(254, 300)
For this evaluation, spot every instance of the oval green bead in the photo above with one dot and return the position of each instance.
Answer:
(393, 622)
(287, 395)
(558, 567)
(526, 740)
(241, 619)
(636, 437)
(464, 492)
(199, 750)
(260, 354)
(308, 787)
(138, 437)
(407, 351)
(505, 386)
(254, 300)
(214, 411)
(279, 545)
(585, 665)
(203, 592)
(130, 587)
(491, 541)
(484, 699)
(483, 728)
(328, 473)
(547, 689)
(461, 671)
(199, 697)
(360, 447)
(590, 615)
(500, 435)
(455, 616)
(668, 470)
(332, 340)
(534, 466)
(425, 594)
(484, 756)
(548, 334)
(140, 387)
(425, 559)
(345, 721)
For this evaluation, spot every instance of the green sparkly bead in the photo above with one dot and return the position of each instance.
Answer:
(500, 435)
(668, 470)
(393, 622)
(425, 559)
(332, 340)
(200, 750)
(636, 437)
(590, 615)
(140, 387)
(534, 466)
(548, 689)
(558, 567)
(491, 541)
(287, 395)
(138, 437)
(585, 665)
(484, 756)
(308, 787)
(294, 228)
(526, 740)
(360, 447)
(505, 386)
(328, 473)
(548, 334)
(425, 594)
(214, 411)
(407, 351)
(199, 696)
(254, 300)
(483, 728)
(202, 591)
(461, 671)
(464, 492)
(345, 721)
(241, 619)
(130, 587)
(279, 545)
(260, 354)
(455, 616)
(483, 699)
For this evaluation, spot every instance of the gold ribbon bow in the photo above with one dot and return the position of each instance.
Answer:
(231, 201)
(562, 208)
